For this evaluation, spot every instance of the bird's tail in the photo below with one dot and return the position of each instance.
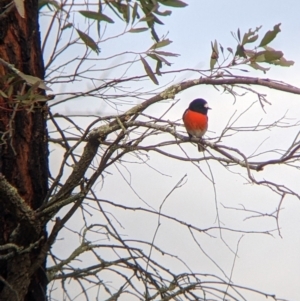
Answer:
(201, 147)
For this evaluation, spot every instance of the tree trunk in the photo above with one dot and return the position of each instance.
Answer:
(23, 155)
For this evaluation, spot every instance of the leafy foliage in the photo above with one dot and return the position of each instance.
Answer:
(250, 57)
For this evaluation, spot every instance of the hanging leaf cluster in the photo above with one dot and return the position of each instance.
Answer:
(132, 12)
(254, 57)
(157, 55)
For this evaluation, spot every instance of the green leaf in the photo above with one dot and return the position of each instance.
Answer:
(19, 4)
(212, 63)
(111, 6)
(33, 81)
(259, 57)
(222, 49)
(164, 53)
(163, 13)
(10, 91)
(3, 94)
(270, 35)
(153, 56)
(240, 51)
(96, 16)
(147, 19)
(283, 62)
(68, 25)
(269, 48)
(239, 34)
(149, 71)
(88, 41)
(159, 58)
(158, 62)
(258, 67)
(215, 49)
(30, 80)
(214, 55)
(250, 53)
(125, 10)
(134, 13)
(252, 39)
(156, 20)
(267, 56)
(141, 29)
(273, 55)
(158, 67)
(173, 3)
(42, 3)
(230, 49)
(161, 44)
(250, 36)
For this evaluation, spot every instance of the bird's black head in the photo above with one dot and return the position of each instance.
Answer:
(199, 105)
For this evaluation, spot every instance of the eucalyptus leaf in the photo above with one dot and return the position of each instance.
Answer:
(134, 13)
(125, 9)
(136, 30)
(163, 13)
(164, 53)
(3, 94)
(19, 4)
(159, 58)
(88, 41)
(212, 63)
(96, 16)
(267, 56)
(156, 20)
(146, 19)
(273, 55)
(214, 55)
(173, 3)
(239, 34)
(222, 49)
(33, 80)
(270, 35)
(283, 62)
(161, 44)
(258, 67)
(252, 39)
(42, 3)
(149, 71)
(68, 25)
(240, 51)
(250, 36)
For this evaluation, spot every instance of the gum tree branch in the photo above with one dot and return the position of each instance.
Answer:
(16, 205)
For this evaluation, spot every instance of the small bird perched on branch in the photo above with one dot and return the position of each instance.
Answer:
(195, 119)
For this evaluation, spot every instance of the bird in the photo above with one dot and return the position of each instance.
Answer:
(195, 119)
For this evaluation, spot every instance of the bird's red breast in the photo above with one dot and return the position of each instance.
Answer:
(195, 123)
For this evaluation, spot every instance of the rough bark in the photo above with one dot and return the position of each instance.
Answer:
(23, 157)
